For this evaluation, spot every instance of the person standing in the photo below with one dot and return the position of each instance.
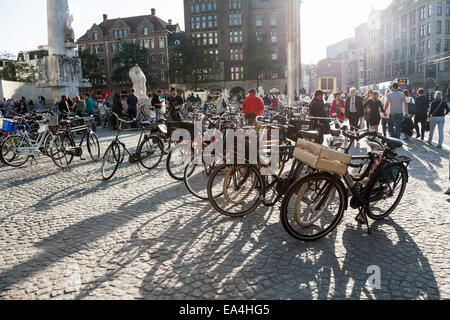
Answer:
(117, 108)
(157, 104)
(338, 107)
(252, 107)
(63, 106)
(90, 110)
(396, 100)
(275, 104)
(80, 107)
(176, 104)
(439, 109)
(385, 116)
(354, 108)
(374, 107)
(317, 110)
(221, 105)
(422, 109)
(132, 102)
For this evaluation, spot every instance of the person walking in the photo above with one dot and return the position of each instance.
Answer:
(422, 109)
(385, 116)
(354, 108)
(252, 107)
(80, 107)
(396, 100)
(117, 108)
(439, 109)
(132, 102)
(373, 109)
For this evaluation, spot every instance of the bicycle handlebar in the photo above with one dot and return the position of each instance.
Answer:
(359, 136)
(123, 121)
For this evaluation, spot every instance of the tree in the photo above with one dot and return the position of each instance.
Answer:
(257, 58)
(18, 71)
(187, 61)
(91, 66)
(129, 56)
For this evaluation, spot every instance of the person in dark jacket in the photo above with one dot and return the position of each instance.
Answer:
(422, 108)
(317, 110)
(157, 104)
(373, 108)
(63, 105)
(354, 108)
(117, 108)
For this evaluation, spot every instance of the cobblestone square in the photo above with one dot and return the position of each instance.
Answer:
(70, 235)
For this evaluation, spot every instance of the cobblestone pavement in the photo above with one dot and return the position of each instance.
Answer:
(69, 235)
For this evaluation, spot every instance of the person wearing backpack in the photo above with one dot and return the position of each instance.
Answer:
(439, 109)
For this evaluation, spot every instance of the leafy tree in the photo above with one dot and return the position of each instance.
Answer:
(129, 56)
(186, 60)
(19, 71)
(92, 69)
(257, 58)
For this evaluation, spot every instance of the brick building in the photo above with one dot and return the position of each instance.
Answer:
(149, 31)
(225, 28)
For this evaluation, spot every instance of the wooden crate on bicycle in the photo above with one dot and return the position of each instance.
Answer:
(321, 157)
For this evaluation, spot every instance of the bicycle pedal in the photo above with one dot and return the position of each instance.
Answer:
(82, 159)
(360, 219)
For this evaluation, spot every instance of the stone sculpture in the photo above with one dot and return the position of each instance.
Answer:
(139, 82)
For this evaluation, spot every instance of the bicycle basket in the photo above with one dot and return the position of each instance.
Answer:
(322, 158)
(9, 126)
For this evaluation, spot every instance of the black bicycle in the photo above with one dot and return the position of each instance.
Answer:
(149, 152)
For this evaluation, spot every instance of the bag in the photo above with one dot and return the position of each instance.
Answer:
(411, 108)
(428, 125)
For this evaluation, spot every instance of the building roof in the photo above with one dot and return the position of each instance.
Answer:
(134, 22)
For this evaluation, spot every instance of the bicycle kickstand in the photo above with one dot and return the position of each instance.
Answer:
(366, 220)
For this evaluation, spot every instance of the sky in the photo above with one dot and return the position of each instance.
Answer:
(324, 22)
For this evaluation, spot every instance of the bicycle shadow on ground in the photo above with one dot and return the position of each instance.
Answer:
(404, 271)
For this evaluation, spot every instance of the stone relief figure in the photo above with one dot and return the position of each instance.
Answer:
(70, 34)
(41, 71)
(139, 82)
(261, 91)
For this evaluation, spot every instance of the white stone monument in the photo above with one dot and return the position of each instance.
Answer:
(139, 80)
(61, 70)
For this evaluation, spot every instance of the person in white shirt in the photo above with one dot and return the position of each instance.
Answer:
(385, 119)
(221, 105)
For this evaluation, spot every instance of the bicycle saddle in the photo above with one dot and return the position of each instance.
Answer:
(310, 134)
(65, 122)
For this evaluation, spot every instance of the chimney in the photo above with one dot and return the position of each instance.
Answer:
(153, 11)
(170, 22)
(105, 17)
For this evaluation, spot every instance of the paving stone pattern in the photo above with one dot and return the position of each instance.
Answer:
(70, 235)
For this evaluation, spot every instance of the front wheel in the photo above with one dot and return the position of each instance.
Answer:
(313, 207)
(150, 152)
(111, 161)
(10, 151)
(60, 146)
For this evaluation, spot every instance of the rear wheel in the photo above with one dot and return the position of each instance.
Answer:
(151, 152)
(177, 159)
(111, 161)
(385, 193)
(62, 143)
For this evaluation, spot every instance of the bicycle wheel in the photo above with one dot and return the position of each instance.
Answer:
(9, 153)
(93, 146)
(177, 159)
(111, 161)
(151, 152)
(196, 178)
(45, 149)
(313, 207)
(384, 195)
(235, 190)
(62, 143)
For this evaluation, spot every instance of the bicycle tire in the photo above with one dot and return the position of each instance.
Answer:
(112, 154)
(58, 148)
(221, 205)
(93, 146)
(189, 172)
(155, 141)
(299, 188)
(10, 143)
(374, 191)
(176, 172)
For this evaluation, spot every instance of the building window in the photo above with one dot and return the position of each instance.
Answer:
(429, 28)
(430, 10)
(447, 9)
(234, 4)
(404, 19)
(146, 30)
(273, 21)
(413, 49)
(163, 76)
(235, 19)
(412, 17)
(259, 36)
(413, 34)
(438, 27)
(428, 45)
(116, 36)
(152, 43)
(161, 43)
(113, 47)
(237, 54)
(95, 35)
(275, 54)
(439, 9)
(153, 59)
(274, 37)
(162, 59)
(438, 45)
(237, 73)
(235, 36)
(259, 20)
(147, 43)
